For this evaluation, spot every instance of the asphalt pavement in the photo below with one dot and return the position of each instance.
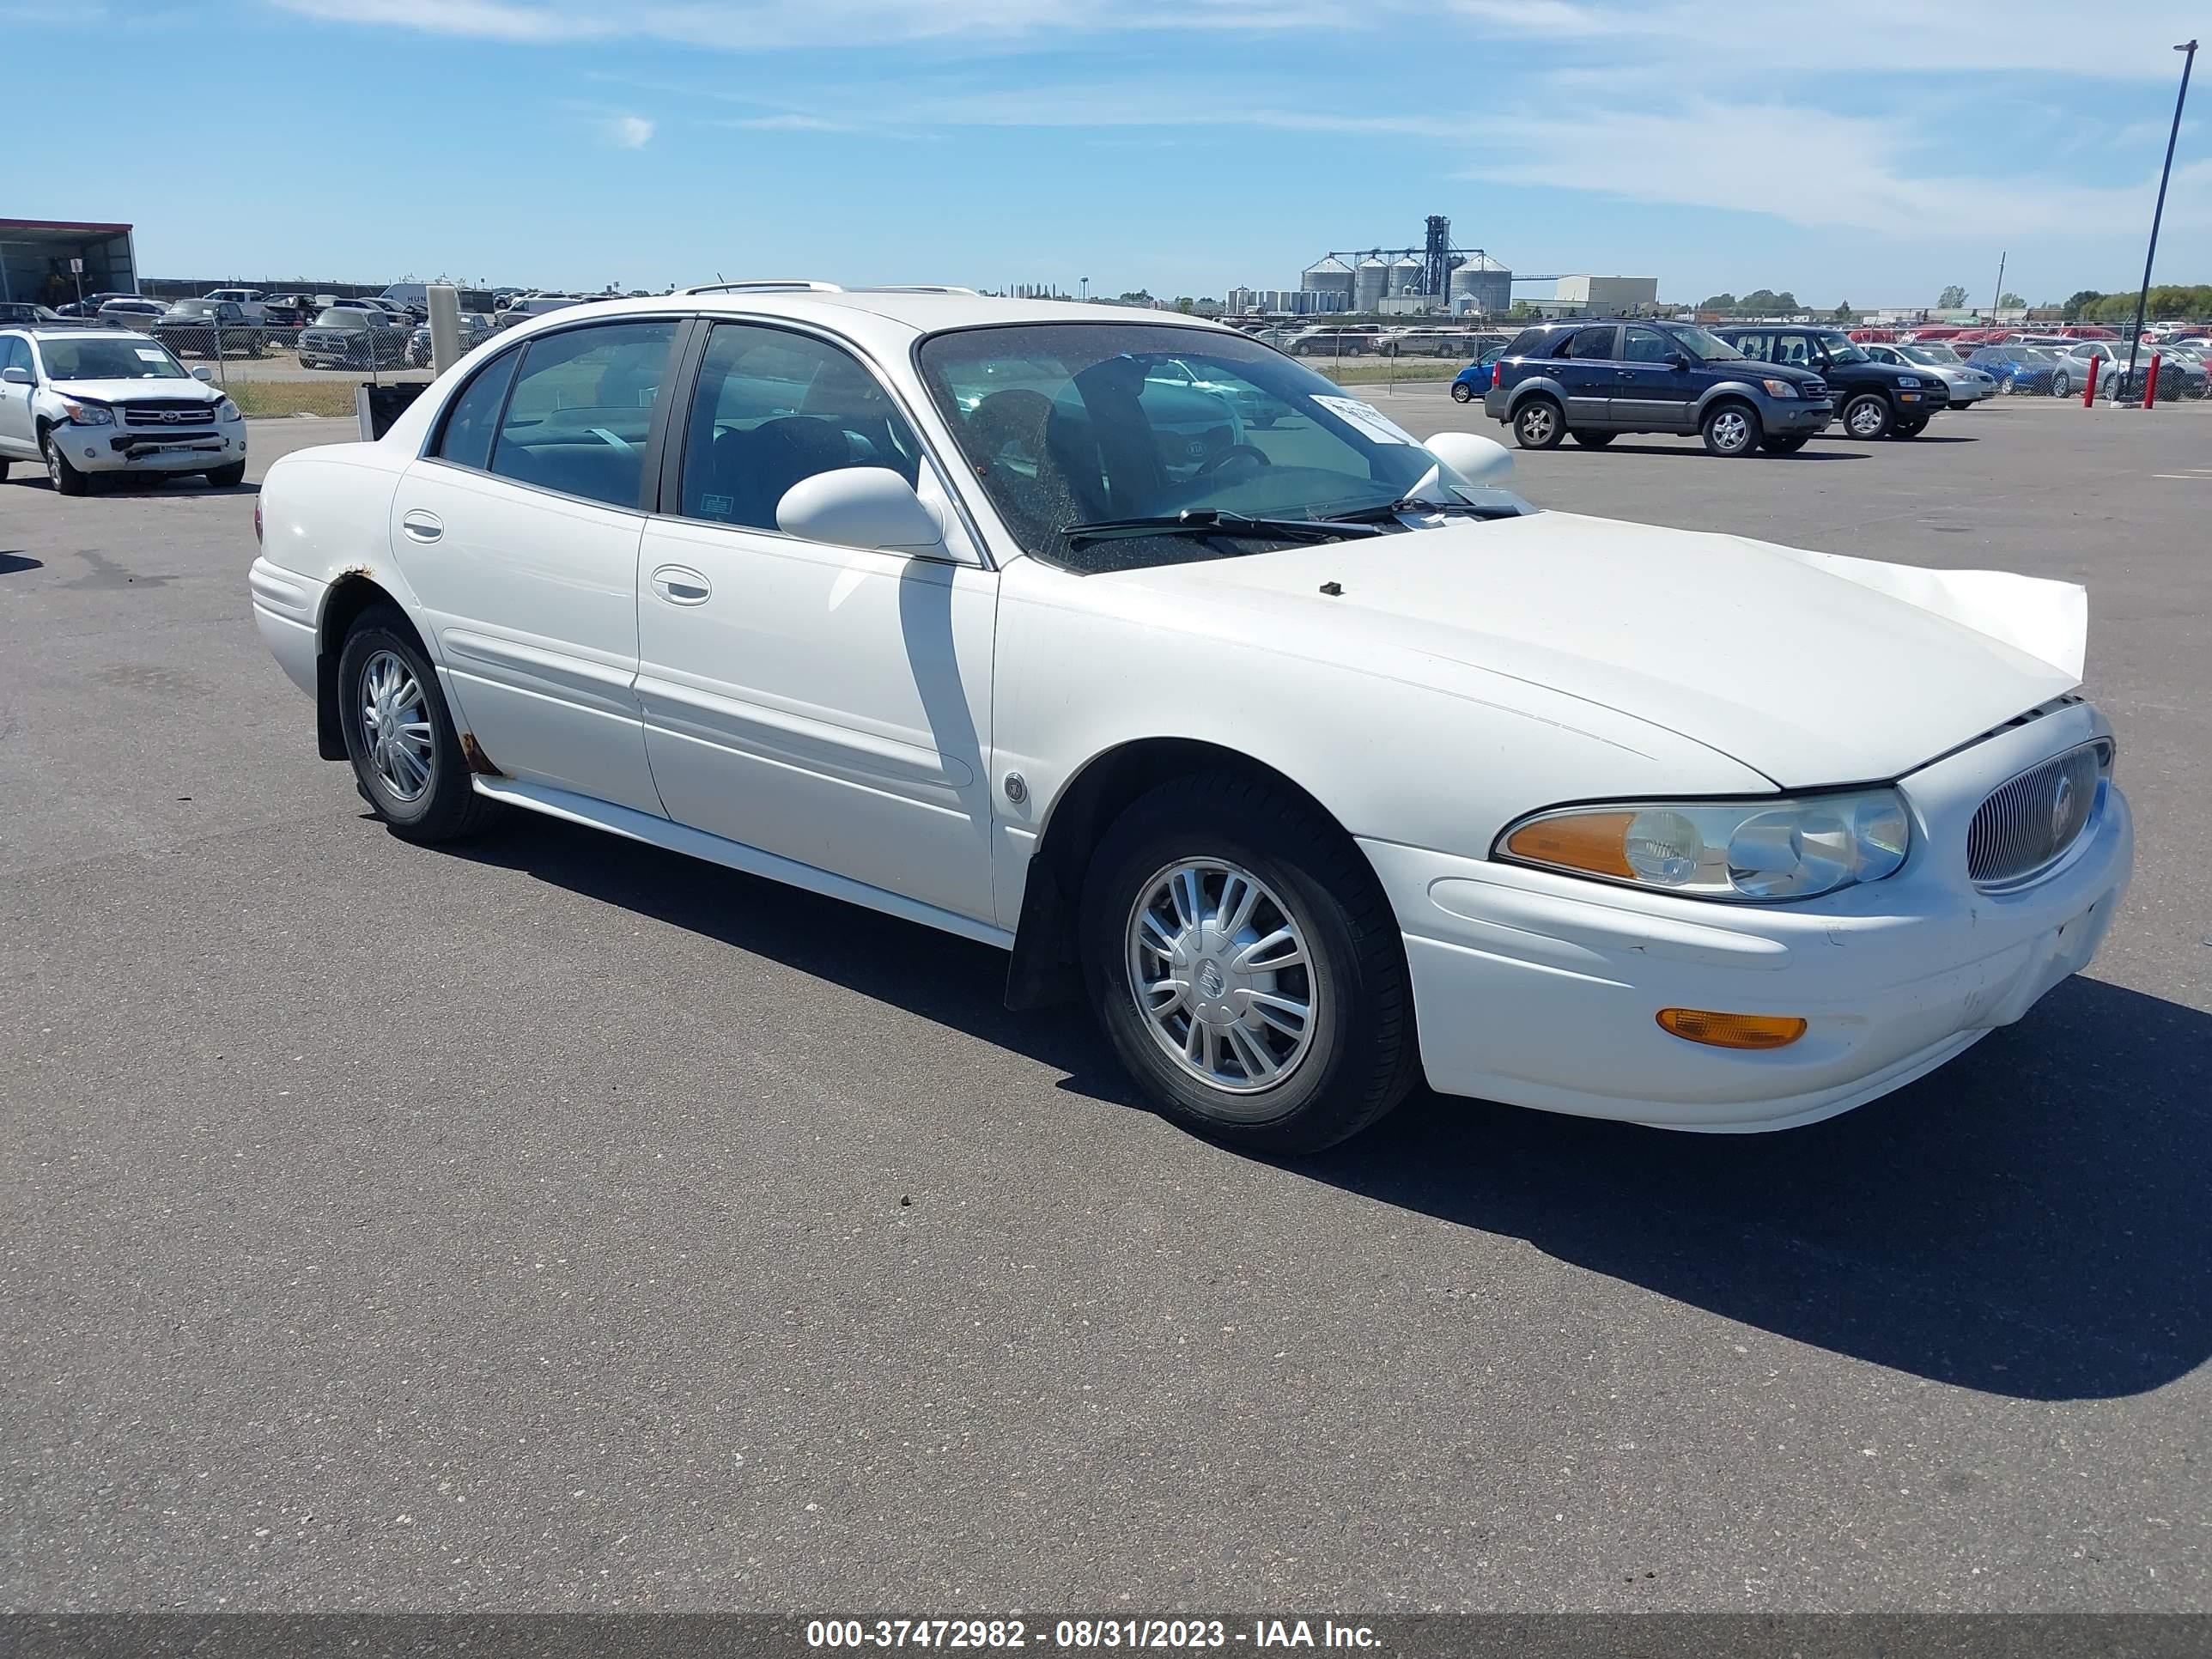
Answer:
(555, 1223)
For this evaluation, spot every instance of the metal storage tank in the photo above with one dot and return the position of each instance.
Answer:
(1328, 276)
(1405, 275)
(1371, 283)
(1488, 284)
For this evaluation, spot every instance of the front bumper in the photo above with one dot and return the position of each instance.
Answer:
(152, 449)
(1793, 415)
(1542, 990)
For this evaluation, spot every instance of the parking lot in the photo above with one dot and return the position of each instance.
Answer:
(554, 1223)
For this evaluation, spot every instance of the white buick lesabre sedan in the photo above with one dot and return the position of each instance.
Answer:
(1313, 758)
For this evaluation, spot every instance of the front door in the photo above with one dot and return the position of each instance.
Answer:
(1652, 390)
(825, 703)
(519, 534)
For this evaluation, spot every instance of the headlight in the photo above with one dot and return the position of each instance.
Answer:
(1907, 379)
(1745, 849)
(226, 411)
(1780, 388)
(87, 413)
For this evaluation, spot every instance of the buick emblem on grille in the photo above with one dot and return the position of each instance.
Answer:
(2062, 807)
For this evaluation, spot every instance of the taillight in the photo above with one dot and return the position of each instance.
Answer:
(1498, 373)
(257, 520)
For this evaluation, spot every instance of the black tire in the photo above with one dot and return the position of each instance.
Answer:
(1461, 392)
(4, 472)
(1867, 417)
(2062, 384)
(1786, 443)
(2007, 388)
(1538, 423)
(1731, 429)
(448, 807)
(65, 477)
(226, 478)
(1912, 428)
(1590, 439)
(1361, 1055)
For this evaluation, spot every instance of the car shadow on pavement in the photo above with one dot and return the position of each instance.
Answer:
(2033, 1219)
(1807, 453)
(12, 562)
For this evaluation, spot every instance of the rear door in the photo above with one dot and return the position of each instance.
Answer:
(16, 425)
(519, 531)
(1650, 390)
(1585, 372)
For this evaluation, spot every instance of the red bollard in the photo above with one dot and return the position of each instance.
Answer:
(2089, 391)
(2150, 383)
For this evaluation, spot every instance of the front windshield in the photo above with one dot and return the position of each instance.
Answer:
(1841, 349)
(93, 359)
(1706, 348)
(1072, 423)
(342, 317)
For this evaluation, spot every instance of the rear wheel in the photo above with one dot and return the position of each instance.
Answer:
(1246, 965)
(1590, 439)
(1785, 443)
(1731, 429)
(2062, 384)
(406, 757)
(1867, 417)
(1461, 392)
(1537, 424)
(65, 477)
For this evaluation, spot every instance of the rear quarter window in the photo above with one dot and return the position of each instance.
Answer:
(1526, 343)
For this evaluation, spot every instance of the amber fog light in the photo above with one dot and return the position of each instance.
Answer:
(1732, 1030)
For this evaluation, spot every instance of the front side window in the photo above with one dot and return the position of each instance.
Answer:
(1072, 424)
(581, 410)
(1646, 345)
(90, 359)
(773, 407)
(473, 420)
(1841, 348)
(1794, 349)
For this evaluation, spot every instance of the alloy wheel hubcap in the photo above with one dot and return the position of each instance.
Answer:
(1866, 420)
(1730, 430)
(395, 727)
(1221, 974)
(1537, 423)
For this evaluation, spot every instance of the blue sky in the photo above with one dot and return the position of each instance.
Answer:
(1870, 153)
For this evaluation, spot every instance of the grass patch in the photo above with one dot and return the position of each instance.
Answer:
(1379, 374)
(262, 398)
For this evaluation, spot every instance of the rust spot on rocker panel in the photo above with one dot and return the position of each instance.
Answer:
(478, 760)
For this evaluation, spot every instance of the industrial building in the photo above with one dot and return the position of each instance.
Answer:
(47, 261)
(1429, 280)
(1601, 297)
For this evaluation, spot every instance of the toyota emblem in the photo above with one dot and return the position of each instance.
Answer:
(170, 417)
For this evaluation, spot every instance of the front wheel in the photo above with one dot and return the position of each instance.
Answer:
(406, 755)
(1461, 392)
(226, 478)
(65, 477)
(1731, 429)
(2061, 386)
(1537, 425)
(1246, 966)
(1867, 417)
(1590, 439)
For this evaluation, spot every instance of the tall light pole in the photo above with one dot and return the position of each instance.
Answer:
(2188, 50)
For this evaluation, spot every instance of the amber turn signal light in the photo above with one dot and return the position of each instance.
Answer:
(1732, 1030)
(1595, 842)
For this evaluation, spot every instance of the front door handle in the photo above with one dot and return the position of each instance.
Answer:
(421, 526)
(679, 584)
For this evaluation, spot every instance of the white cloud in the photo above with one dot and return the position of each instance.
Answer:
(628, 131)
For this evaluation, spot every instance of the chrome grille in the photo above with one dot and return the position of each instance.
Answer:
(2028, 823)
(168, 412)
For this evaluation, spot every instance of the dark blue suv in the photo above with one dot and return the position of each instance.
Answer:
(1598, 380)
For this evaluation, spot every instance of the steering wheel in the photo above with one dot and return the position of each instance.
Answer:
(1214, 462)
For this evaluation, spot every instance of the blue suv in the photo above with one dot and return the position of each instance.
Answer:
(1595, 381)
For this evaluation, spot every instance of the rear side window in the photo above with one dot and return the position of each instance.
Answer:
(473, 420)
(1757, 347)
(581, 410)
(1590, 343)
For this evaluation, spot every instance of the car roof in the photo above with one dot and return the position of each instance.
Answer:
(65, 330)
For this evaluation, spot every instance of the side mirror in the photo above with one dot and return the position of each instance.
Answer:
(864, 506)
(1477, 460)
(203, 373)
(1676, 359)
(14, 376)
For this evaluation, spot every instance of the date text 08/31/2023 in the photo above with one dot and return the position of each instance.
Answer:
(1084, 1633)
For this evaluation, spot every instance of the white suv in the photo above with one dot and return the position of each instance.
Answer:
(90, 401)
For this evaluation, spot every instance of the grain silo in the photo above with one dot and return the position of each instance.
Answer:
(1328, 276)
(1485, 284)
(1405, 275)
(1369, 283)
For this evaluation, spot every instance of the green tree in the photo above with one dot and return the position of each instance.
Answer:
(1954, 297)
(1184, 304)
(2008, 300)
(1719, 302)
(1843, 312)
(2079, 301)
(1760, 301)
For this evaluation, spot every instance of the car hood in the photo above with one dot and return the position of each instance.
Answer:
(128, 391)
(1810, 668)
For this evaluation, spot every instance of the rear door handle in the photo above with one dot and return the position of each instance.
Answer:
(421, 526)
(679, 584)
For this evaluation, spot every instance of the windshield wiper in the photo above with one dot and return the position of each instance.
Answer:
(1206, 521)
(1389, 510)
